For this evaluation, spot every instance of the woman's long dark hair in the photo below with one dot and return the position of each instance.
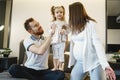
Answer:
(78, 17)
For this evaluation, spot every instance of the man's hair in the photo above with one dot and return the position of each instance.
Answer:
(26, 24)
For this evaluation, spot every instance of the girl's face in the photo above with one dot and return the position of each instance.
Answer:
(59, 14)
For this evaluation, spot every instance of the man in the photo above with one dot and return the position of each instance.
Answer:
(36, 65)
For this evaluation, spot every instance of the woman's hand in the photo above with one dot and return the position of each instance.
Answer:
(110, 73)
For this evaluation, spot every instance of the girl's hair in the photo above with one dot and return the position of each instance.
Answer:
(53, 11)
(78, 17)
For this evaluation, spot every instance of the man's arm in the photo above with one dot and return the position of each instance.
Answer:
(42, 48)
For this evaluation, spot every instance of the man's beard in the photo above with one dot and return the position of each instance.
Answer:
(40, 32)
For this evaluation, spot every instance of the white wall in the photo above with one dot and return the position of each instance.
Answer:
(113, 36)
(40, 10)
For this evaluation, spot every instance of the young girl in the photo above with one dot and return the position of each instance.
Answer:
(60, 36)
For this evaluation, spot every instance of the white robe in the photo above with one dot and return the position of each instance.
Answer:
(94, 53)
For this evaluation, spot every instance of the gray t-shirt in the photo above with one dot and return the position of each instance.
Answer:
(35, 61)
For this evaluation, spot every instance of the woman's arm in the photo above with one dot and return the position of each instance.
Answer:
(101, 55)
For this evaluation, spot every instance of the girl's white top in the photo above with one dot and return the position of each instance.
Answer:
(57, 37)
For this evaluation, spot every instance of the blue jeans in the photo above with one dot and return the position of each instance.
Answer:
(78, 74)
(18, 71)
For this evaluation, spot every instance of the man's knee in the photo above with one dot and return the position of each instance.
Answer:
(14, 69)
(61, 75)
(55, 75)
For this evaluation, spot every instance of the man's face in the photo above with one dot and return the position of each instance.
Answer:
(36, 28)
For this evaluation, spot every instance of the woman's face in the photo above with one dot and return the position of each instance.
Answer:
(59, 13)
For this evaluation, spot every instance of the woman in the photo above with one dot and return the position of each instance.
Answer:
(86, 52)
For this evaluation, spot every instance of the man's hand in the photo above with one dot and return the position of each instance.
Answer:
(110, 73)
(53, 27)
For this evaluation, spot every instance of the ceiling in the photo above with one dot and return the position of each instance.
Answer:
(113, 7)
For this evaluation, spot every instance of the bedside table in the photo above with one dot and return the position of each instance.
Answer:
(5, 62)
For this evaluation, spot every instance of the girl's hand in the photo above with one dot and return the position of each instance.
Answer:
(62, 31)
